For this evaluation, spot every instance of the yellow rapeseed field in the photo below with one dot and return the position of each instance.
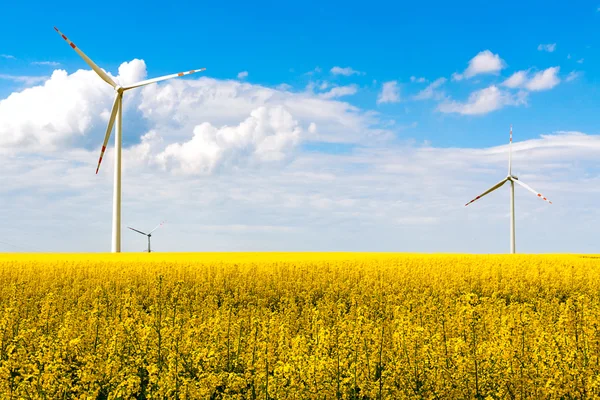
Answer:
(299, 326)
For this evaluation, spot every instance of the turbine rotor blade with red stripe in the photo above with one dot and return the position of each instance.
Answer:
(111, 122)
(532, 191)
(488, 191)
(89, 62)
(158, 226)
(162, 78)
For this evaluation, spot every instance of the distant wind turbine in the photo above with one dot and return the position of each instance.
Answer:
(148, 234)
(117, 113)
(512, 179)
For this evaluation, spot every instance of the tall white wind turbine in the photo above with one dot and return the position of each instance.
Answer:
(117, 113)
(512, 179)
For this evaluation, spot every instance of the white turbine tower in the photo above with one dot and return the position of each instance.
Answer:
(148, 234)
(117, 113)
(512, 179)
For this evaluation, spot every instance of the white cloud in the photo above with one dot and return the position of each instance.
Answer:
(284, 87)
(317, 70)
(516, 80)
(483, 101)
(485, 62)
(347, 71)
(390, 93)
(580, 61)
(8, 56)
(431, 92)
(267, 135)
(318, 201)
(547, 47)
(48, 63)
(418, 79)
(242, 75)
(259, 181)
(339, 91)
(24, 79)
(64, 107)
(573, 75)
(544, 80)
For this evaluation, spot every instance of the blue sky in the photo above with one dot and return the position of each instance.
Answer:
(291, 53)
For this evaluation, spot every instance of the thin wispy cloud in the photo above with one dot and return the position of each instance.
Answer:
(8, 56)
(346, 71)
(431, 91)
(339, 91)
(573, 75)
(48, 63)
(418, 79)
(242, 75)
(317, 70)
(27, 80)
(547, 47)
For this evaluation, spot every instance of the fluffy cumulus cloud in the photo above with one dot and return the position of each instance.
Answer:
(484, 62)
(63, 108)
(267, 135)
(542, 80)
(483, 101)
(516, 80)
(390, 93)
(547, 47)
(235, 166)
(346, 71)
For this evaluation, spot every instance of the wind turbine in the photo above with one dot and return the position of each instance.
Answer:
(148, 234)
(512, 179)
(117, 113)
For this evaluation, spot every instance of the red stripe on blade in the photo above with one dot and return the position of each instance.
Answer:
(73, 45)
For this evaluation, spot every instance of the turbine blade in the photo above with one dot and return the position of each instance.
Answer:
(162, 78)
(111, 122)
(510, 153)
(158, 226)
(488, 191)
(89, 62)
(145, 234)
(532, 191)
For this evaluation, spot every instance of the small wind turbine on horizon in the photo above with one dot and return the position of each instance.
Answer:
(512, 179)
(117, 114)
(149, 234)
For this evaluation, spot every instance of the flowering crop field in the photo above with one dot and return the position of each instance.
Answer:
(299, 326)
